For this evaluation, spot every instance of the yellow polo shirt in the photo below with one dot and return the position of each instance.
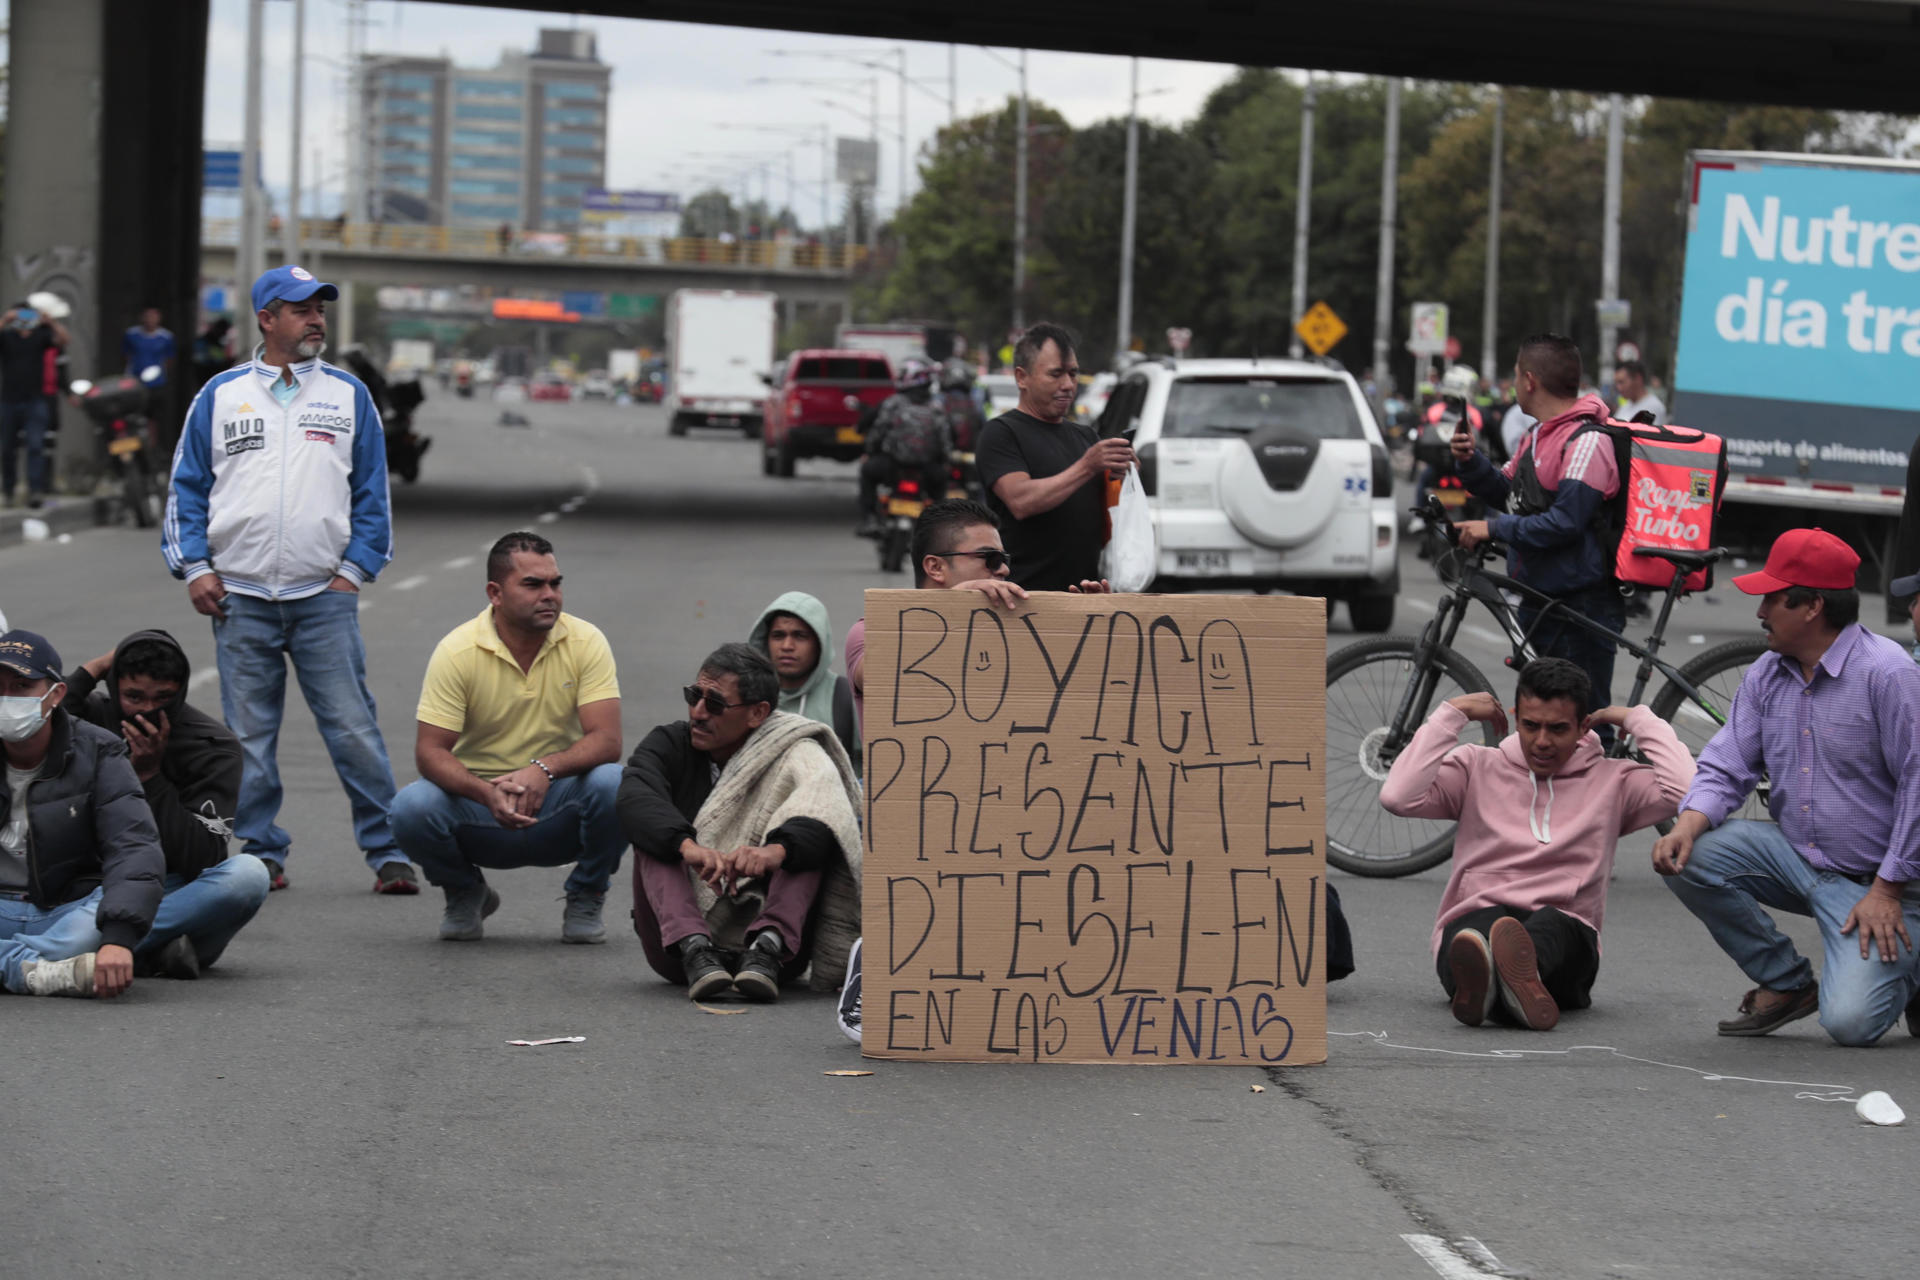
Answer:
(505, 716)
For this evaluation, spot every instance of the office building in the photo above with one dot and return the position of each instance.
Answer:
(519, 143)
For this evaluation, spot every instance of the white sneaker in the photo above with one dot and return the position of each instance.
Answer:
(848, 1013)
(59, 977)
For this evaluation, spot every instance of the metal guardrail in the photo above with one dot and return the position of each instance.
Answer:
(584, 247)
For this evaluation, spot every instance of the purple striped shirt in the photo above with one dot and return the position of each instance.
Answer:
(1836, 748)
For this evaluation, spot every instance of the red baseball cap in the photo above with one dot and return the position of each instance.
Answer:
(1804, 558)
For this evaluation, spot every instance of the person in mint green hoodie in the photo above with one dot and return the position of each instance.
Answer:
(797, 637)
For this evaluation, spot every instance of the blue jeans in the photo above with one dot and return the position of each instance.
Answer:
(210, 908)
(1742, 867)
(452, 837)
(28, 420)
(321, 634)
(28, 933)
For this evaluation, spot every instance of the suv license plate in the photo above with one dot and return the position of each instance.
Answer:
(1204, 561)
(848, 435)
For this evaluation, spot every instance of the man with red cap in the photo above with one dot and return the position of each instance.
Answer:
(1832, 717)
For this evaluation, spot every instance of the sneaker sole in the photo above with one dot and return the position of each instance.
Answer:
(757, 987)
(712, 985)
(583, 939)
(402, 887)
(1473, 985)
(1521, 991)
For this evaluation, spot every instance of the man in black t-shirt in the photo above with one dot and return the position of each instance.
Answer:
(26, 336)
(1045, 476)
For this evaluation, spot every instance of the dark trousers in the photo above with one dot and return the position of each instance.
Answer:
(666, 911)
(1557, 637)
(878, 469)
(1567, 952)
(25, 424)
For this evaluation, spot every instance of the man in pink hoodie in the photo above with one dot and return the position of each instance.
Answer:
(1518, 934)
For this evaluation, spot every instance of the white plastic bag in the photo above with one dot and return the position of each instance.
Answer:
(1131, 557)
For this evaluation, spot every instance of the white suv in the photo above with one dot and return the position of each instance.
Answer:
(1267, 474)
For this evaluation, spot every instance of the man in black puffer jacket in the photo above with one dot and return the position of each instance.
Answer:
(189, 767)
(80, 860)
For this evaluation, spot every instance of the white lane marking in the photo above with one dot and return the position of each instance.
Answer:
(1472, 1249)
(203, 677)
(1424, 606)
(459, 562)
(590, 478)
(1447, 1263)
(408, 584)
(547, 517)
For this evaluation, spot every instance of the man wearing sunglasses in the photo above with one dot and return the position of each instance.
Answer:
(744, 822)
(956, 546)
(518, 747)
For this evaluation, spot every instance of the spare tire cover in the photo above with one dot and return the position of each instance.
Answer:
(1271, 487)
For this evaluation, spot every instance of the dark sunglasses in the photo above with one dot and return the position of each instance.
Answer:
(994, 561)
(716, 705)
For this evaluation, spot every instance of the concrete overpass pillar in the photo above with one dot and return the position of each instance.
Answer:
(103, 178)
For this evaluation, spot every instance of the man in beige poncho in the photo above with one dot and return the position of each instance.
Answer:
(745, 820)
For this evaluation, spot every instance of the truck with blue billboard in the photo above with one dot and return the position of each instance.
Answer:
(1799, 341)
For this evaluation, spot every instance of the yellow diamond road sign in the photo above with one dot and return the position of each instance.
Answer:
(1321, 329)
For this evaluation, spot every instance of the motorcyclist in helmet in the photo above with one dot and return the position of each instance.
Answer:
(911, 435)
(1432, 450)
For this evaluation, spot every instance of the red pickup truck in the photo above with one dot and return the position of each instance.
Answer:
(807, 414)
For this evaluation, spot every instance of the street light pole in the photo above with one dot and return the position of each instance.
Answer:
(251, 256)
(1123, 335)
(1302, 207)
(900, 198)
(293, 183)
(1489, 366)
(1383, 285)
(1019, 204)
(1610, 242)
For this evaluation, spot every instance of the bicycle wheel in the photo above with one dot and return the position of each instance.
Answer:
(1716, 674)
(1365, 683)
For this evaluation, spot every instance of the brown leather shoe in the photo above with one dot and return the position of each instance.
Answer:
(1764, 1010)
(1521, 991)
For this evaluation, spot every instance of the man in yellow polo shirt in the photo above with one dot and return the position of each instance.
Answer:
(518, 748)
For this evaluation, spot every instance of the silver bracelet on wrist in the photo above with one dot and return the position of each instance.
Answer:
(544, 769)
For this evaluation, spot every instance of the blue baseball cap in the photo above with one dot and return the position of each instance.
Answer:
(29, 654)
(294, 284)
(1904, 587)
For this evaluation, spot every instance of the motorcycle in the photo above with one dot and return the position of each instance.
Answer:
(900, 505)
(118, 408)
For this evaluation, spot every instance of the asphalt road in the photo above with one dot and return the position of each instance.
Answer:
(337, 1097)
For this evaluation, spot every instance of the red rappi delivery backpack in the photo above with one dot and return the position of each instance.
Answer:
(1671, 482)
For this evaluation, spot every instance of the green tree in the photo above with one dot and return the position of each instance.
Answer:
(952, 245)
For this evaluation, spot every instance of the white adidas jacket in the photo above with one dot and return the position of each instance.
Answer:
(278, 499)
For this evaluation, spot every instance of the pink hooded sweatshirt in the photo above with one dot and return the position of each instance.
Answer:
(1532, 842)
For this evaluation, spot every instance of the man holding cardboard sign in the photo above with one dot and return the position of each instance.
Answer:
(1518, 935)
(1094, 829)
(743, 817)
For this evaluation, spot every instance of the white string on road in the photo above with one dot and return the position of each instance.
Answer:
(1805, 1089)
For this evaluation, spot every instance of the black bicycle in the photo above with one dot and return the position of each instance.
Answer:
(1379, 692)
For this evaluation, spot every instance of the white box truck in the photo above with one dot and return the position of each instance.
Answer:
(720, 349)
(1798, 344)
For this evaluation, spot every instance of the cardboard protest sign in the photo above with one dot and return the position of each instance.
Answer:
(1095, 829)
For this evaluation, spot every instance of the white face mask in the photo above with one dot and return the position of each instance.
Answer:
(21, 718)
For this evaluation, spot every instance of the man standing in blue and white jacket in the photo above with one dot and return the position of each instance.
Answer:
(278, 514)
